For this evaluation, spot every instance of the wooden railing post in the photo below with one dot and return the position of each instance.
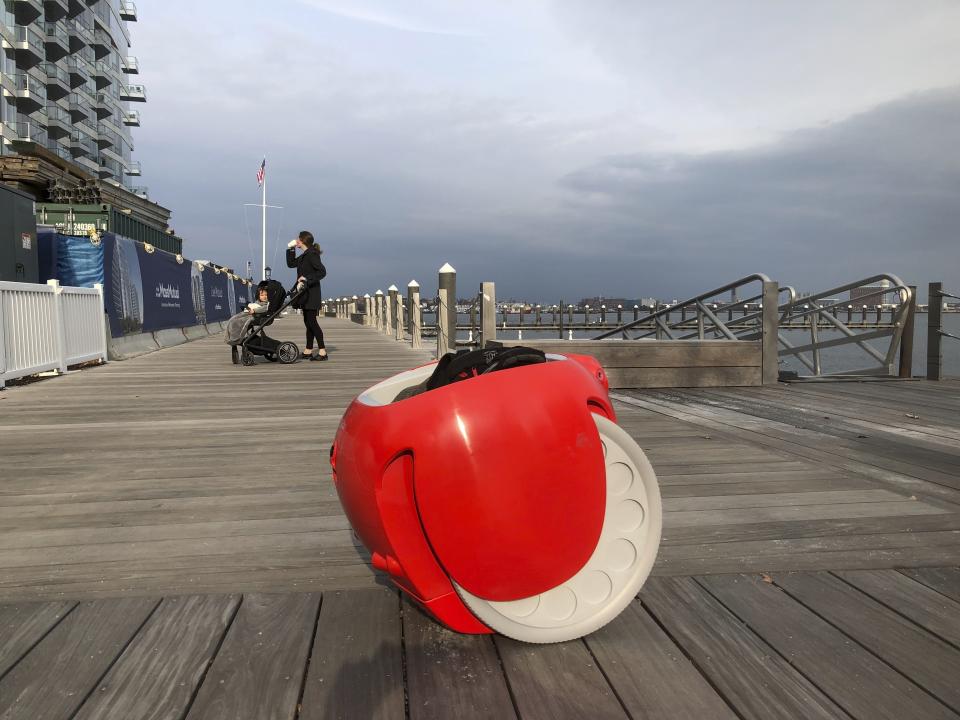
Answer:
(488, 313)
(447, 310)
(934, 327)
(906, 339)
(400, 329)
(415, 315)
(378, 309)
(388, 301)
(770, 319)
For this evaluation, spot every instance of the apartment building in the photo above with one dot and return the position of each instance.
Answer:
(69, 86)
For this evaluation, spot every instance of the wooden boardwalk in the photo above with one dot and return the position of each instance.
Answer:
(171, 546)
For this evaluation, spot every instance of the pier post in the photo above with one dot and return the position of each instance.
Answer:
(906, 339)
(619, 314)
(398, 308)
(569, 314)
(447, 310)
(353, 306)
(488, 313)
(636, 312)
(416, 317)
(770, 319)
(558, 317)
(538, 317)
(367, 314)
(378, 309)
(934, 327)
(603, 314)
(389, 317)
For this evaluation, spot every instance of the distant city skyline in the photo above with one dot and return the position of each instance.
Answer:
(559, 147)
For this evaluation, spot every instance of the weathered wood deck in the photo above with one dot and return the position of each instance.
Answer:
(170, 547)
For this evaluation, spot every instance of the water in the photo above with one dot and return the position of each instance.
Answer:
(839, 359)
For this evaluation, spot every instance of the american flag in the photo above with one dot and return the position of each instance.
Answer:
(263, 165)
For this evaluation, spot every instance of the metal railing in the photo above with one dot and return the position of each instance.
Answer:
(130, 65)
(26, 34)
(49, 327)
(32, 132)
(701, 317)
(823, 310)
(133, 93)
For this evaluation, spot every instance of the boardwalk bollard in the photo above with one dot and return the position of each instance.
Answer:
(619, 314)
(603, 314)
(569, 314)
(401, 334)
(416, 316)
(488, 313)
(388, 311)
(520, 321)
(934, 331)
(378, 309)
(539, 318)
(558, 317)
(906, 340)
(770, 341)
(353, 306)
(367, 311)
(447, 310)
(879, 313)
(412, 307)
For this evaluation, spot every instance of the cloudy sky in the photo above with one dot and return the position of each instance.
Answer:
(561, 148)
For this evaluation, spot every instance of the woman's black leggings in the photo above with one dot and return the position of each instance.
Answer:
(313, 329)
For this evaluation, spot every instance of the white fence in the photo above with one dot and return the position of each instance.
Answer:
(48, 327)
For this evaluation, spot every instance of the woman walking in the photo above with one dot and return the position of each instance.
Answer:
(310, 271)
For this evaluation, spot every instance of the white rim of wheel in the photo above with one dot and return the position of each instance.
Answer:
(620, 564)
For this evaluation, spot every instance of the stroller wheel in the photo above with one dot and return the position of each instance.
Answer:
(614, 573)
(271, 357)
(246, 357)
(288, 353)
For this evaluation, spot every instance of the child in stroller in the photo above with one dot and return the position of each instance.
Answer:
(246, 336)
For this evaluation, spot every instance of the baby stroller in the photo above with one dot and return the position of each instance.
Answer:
(256, 342)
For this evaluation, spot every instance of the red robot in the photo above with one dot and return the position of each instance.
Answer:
(507, 501)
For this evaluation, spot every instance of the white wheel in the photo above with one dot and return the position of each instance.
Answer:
(614, 574)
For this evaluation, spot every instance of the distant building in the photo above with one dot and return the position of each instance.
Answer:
(611, 303)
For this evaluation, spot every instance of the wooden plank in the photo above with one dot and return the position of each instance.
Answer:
(750, 675)
(855, 679)
(159, 672)
(738, 516)
(557, 681)
(650, 674)
(682, 377)
(57, 675)
(945, 581)
(924, 658)
(923, 605)
(23, 626)
(450, 675)
(785, 499)
(258, 672)
(656, 353)
(356, 668)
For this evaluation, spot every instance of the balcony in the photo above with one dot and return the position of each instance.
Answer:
(76, 7)
(79, 108)
(78, 72)
(105, 138)
(134, 169)
(58, 81)
(133, 93)
(113, 156)
(88, 164)
(102, 43)
(131, 118)
(8, 24)
(57, 40)
(32, 132)
(8, 131)
(105, 106)
(31, 93)
(82, 146)
(130, 65)
(140, 191)
(56, 9)
(8, 84)
(80, 35)
(102, 75)
(26, 11)
(30, 47)
(128, 11)
(59, 122)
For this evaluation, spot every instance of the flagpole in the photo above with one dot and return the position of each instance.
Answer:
(263, 254)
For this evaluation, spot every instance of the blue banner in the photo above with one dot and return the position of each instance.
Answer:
(167, 298)
(216, 295)
(74, 261)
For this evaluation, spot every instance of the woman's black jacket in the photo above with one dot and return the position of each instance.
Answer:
(308, 266)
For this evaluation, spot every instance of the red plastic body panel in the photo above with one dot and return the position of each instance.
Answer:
(471, 482)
